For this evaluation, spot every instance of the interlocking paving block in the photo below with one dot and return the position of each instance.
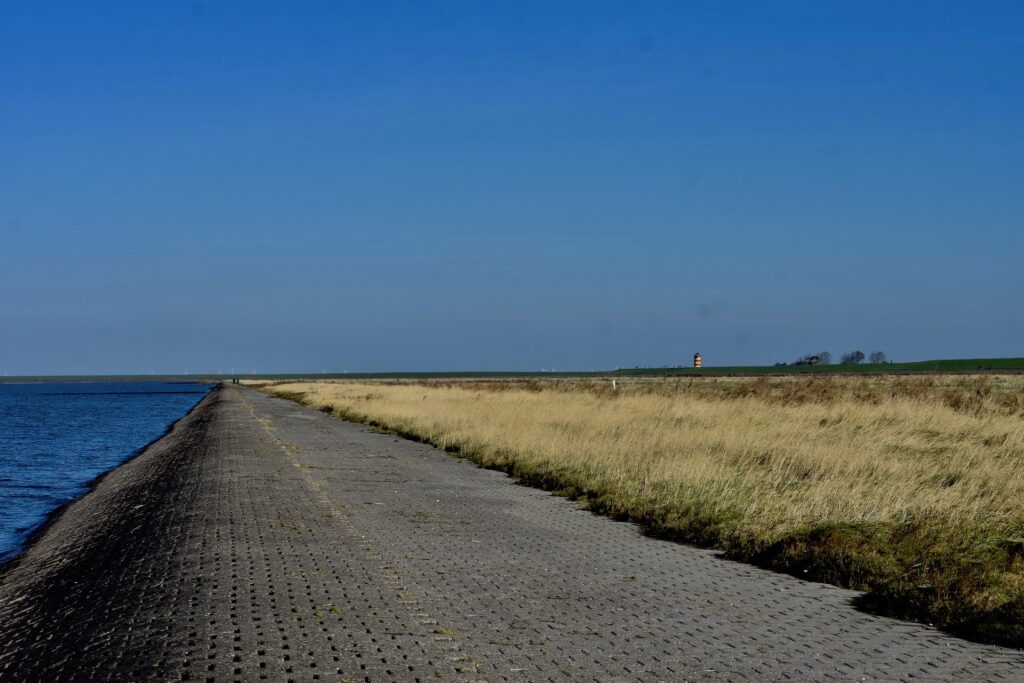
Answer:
(263, 540)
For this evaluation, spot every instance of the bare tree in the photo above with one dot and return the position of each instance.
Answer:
(824, 358)
(877, 357)
(853, 358)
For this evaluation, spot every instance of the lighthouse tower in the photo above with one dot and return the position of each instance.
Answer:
(696, 360)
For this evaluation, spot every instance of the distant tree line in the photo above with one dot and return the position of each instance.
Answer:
(857, 357)
(822, 358)
(851, 358)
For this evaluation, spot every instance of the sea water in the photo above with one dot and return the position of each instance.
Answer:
(55, 438)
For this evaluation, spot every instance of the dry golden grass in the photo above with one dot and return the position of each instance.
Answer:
(909, 487)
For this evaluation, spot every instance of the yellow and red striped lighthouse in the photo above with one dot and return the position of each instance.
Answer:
(696, 360)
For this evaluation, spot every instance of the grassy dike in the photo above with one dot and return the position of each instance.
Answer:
(907, 488)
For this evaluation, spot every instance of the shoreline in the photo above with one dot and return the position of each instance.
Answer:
(61, 592)
(7, 564)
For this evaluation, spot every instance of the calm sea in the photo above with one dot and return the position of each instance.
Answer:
(56, 438)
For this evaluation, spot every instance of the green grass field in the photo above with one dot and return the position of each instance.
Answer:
(962, 365)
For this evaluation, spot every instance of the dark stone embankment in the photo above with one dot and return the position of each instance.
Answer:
(263, 540)
(64, 599)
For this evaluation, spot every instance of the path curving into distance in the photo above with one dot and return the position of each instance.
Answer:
(264, 540)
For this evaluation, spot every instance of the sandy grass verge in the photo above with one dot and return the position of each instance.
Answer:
(911, 489)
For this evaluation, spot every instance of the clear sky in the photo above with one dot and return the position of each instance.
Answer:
(300, 186)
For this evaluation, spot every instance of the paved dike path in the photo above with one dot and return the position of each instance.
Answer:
(264, 540)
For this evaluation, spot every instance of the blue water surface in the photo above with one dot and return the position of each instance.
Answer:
(57, 437)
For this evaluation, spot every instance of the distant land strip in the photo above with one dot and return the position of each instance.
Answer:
(946, 366)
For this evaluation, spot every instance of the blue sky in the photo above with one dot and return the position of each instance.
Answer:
(468, 185)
